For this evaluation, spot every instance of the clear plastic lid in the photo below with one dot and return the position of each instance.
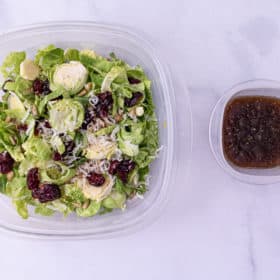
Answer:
(135, 50)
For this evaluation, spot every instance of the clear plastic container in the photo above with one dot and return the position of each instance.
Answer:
(104, 38)
(249, 175)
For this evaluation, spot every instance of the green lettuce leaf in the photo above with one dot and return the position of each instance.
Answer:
(17, 190)
(9, 140)
(11, 65)
(44, 210)
(49, 57)
(3, 182)
(72, 55)
(115, 200)
(132, 131)
(73, 196)
(57, 173)
(105, 131)
(61, 207)
(148, 148)
(21, 207)
(16, 107)
(25, 165)
(37, 148)
(123, 188)
(128, 148)
(22, 88)
(116, 73)
(137, 73)
(43, 103)
(42, 52)
(130, 136)
(97, 79)
(3, 107)
(98, 64)
(91, 210)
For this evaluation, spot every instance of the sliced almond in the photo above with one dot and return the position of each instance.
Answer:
(88, 86)
(118, 117)
(34, 110)
(10, 175)
(85, 204)
(83, 92)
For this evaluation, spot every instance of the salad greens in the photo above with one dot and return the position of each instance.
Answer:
(78, 132)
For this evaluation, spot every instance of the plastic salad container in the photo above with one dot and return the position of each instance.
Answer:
(255, 176)
(133, 49)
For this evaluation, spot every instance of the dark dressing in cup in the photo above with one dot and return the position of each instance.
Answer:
(251, 131)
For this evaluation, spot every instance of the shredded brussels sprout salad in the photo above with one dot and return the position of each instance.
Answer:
(77, 132)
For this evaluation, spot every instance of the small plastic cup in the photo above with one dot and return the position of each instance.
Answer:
(257, 176)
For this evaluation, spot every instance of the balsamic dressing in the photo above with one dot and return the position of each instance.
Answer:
(251, 131)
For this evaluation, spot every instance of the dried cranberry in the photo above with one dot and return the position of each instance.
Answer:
(103, 113)
(6, 163)
(46, 88)
(121, 168)
(36, 128)
(69, 146)
(124, 168)
(89, 117)
(57, 156)
(41, 122)
(37, 86)
(123, 176)
(126, 165)
(101, 109)
(105, 97)
(136, 97)
(35, 193)
(36, 131)
(33, 179)
(104, 105)
(113, 167)
(41, 87)
(22, 127)
(47, 192)
(133, 81)
(47, 124)
(96, 179)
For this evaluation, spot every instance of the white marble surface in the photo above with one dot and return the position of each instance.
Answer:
(214, 227)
